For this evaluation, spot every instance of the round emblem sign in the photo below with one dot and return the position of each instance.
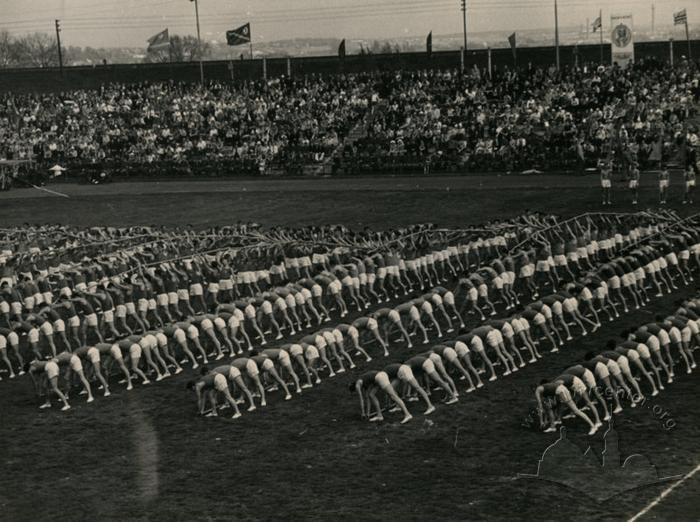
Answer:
(621, 35)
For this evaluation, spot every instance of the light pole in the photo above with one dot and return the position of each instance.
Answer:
(199, 42)
(464, 23)
(556, 32)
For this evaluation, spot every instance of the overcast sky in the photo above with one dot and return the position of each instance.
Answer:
(130, 22)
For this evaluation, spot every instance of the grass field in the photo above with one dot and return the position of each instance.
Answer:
(146, 455)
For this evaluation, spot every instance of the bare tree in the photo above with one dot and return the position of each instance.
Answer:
(37, 50)
(182, 49)
(9, 50)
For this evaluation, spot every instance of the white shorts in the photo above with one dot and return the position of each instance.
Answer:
(76, 364)
(653, 343)
(51, 369)
(602, 371)
(613, 367)
(589, 379)
(382, 380)
(686, 334)
(563, 394)
(116, 352)
(251, 368)
(311, 353)
(578, 386)
(570, 305)
(624, 364)
(46, 328)
(527, 270)
(93, 355)
(643, 351)
(507, 330)
(405, 373)
(494, 338)
(220, 382)
(192, 332)
(461, 349)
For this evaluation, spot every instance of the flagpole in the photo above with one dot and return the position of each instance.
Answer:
(600, 15)
(199, 42)
(556, 31)
(670, 48)
(464, 23)
(488, 50)
(687, 39)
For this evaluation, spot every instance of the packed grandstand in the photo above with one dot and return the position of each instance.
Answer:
(373, 122)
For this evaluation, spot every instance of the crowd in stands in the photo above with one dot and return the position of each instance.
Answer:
(513, 120)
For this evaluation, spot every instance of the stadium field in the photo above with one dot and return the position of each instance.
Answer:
(356, 202)
(144, 454)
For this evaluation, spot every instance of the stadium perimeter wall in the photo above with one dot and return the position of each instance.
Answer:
(87, 77)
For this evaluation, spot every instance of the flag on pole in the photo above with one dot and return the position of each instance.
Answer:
(238, 36)
(680, 18)
(341, 50)
(159, 41)
(512, 42)
(597, 24)
(429, 44)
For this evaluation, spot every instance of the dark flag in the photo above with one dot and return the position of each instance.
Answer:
(159, 41)
(511, 41)
(429, 44)
(341, 50)
(680, 18)
(238, 36)
(597, 24)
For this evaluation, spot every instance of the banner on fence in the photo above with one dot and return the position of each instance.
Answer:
(622, 39)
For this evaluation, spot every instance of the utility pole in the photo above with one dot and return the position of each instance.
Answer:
(556, 31)
(464, 23)
(58, 45)
(653, 9)
(199, 42)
